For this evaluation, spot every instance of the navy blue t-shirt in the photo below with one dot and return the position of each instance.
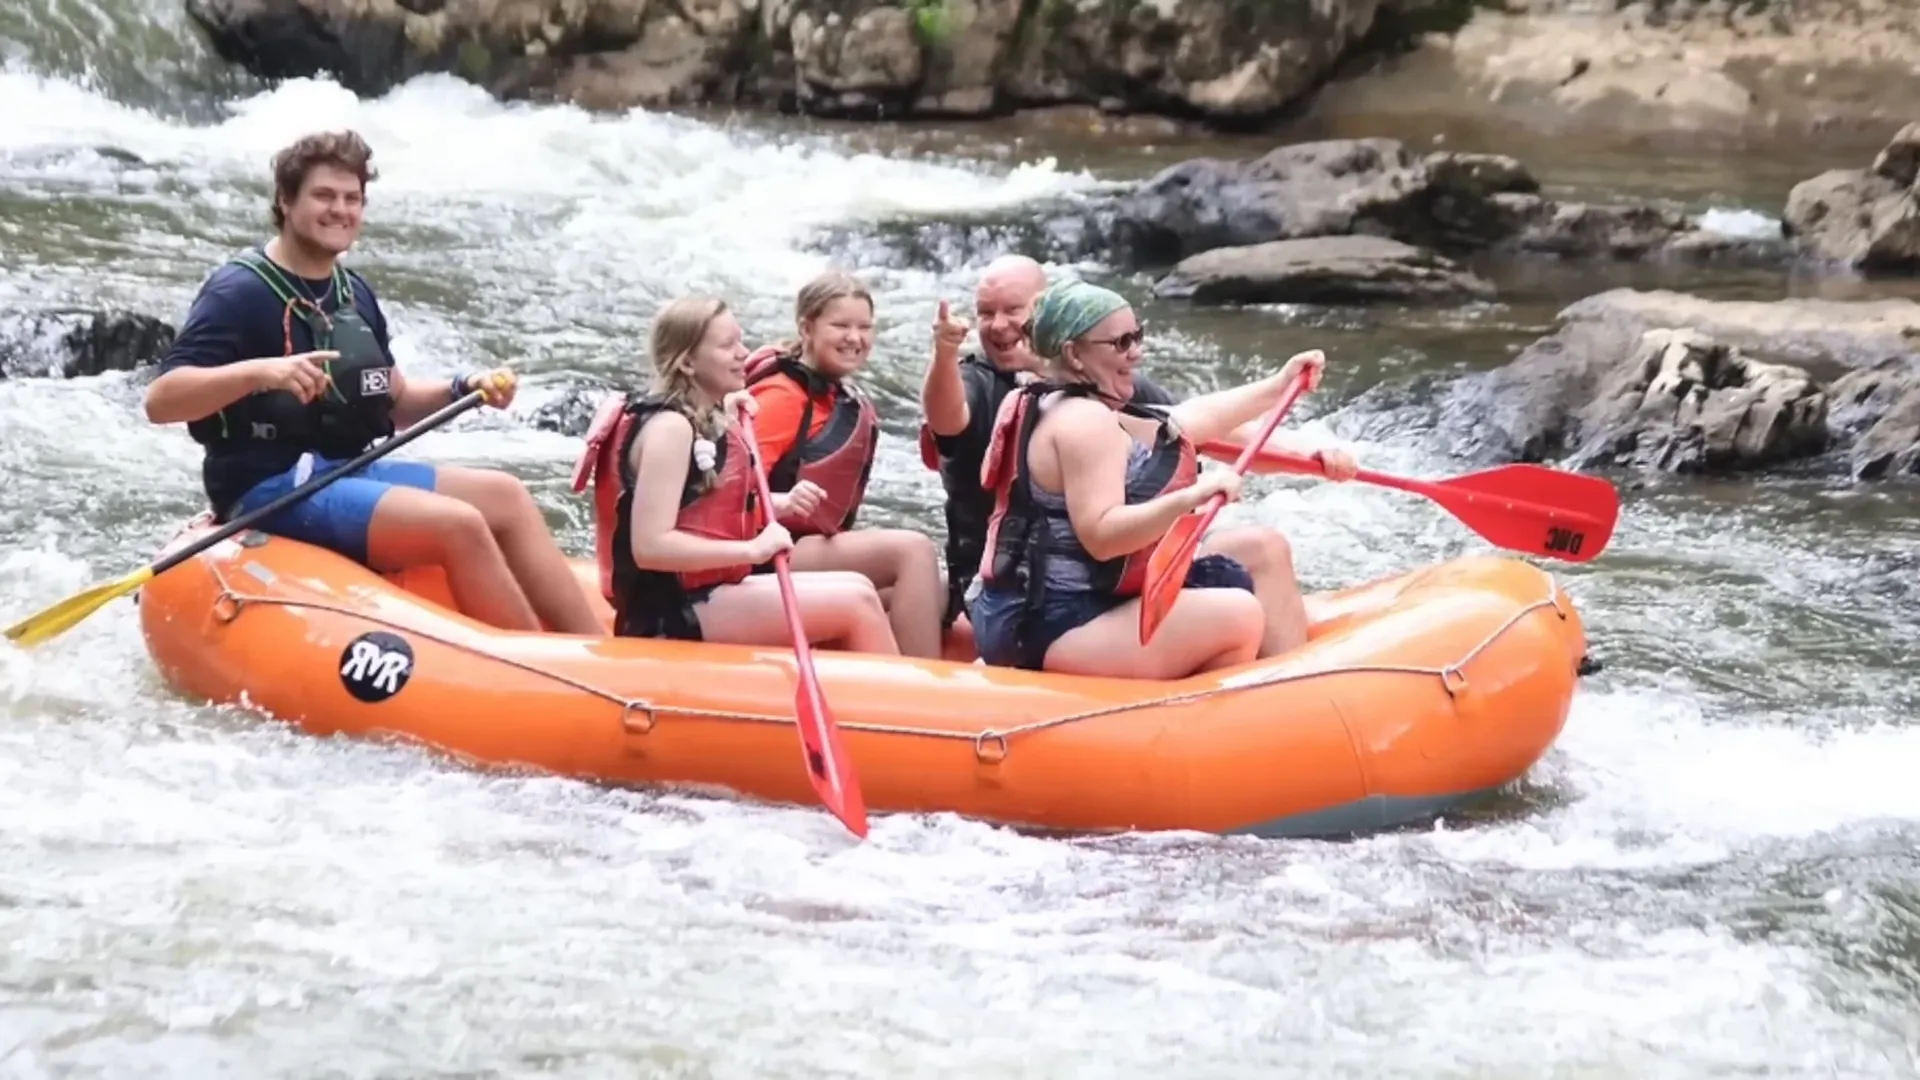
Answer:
(236, 316)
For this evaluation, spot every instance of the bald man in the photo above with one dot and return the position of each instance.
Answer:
(960, 398)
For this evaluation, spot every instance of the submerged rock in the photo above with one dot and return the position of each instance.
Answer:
(73, 343)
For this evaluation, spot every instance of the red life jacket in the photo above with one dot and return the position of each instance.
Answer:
(839, 460)
(1018, 533)
(728, 511)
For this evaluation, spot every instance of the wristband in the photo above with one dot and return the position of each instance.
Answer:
(462, 385)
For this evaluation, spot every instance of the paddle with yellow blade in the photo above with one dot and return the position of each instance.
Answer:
(70, 612)
(1541, 511)
(1173, 556)
(825, 757)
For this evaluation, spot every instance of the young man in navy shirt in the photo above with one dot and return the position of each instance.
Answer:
(282, 369)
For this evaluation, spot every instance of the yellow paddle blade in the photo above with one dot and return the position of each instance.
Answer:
(68, 613)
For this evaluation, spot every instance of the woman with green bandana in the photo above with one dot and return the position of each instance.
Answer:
(1086, 485)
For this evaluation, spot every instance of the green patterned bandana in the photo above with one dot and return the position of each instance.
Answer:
(1066, 311)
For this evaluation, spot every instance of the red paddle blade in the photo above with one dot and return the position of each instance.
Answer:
(826, 757)
(1534, 509)
(1167, 568)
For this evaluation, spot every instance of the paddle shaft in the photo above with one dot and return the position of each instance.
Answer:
(1173, 556)
(70, 612)
(810, 707)
(1283, 461)
(1218, 499)
(315, 483)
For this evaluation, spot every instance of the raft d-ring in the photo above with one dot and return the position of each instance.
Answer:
(226, 606)
(636, 717)
(1454, 680)
(990, 747)
(1560, 605)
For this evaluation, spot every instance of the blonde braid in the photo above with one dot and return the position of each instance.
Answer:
(677, 331)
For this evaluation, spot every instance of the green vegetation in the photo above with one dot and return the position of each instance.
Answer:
(932, 21)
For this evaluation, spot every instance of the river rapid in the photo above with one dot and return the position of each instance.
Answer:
(1713, 874)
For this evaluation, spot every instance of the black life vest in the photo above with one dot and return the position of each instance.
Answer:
(968, 506)
(354, 410)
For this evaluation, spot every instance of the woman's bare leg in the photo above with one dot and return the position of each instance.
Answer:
(902, 563)
(1269, 561)
(834, 607)
(1207, 629)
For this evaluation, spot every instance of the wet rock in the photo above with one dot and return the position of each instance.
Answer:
(1868, 219)
(570, 412)
(1682, 402)
(1231, 61)
(1736, 391)
(73, 343)
(1328, 270)
(1879, 409)
(1453, 203)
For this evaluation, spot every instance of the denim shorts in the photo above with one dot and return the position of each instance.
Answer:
(998, 615)
(335, 517)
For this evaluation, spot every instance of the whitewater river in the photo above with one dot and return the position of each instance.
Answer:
(1713, 873)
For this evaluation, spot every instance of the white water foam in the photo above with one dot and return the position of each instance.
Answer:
(1742, 223)
(608, 205)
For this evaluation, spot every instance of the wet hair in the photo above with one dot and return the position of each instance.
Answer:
(344, 150)
(678, 329)
(814, 297)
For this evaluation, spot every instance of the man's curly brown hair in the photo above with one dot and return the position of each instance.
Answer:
(344, 150)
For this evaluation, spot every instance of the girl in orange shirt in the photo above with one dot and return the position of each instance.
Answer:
(817, 435)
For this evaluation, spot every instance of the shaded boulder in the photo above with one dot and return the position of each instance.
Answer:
(1326, 270)
(1867, 219)
(1684, 403)
(1453, 203)
(70, 343)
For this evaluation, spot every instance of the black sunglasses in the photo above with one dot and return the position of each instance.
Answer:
(1125, 342)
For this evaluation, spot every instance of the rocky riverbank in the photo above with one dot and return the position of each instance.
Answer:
(1223, 60)
(1663, 70)
(1722, 68)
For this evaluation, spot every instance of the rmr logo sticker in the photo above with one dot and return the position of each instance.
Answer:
(376, 665)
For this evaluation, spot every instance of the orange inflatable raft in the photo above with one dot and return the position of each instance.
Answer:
(1416, 693)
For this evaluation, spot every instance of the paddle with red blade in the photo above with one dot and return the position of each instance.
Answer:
(1534, 509)
(828, 765)
(1172, 557)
